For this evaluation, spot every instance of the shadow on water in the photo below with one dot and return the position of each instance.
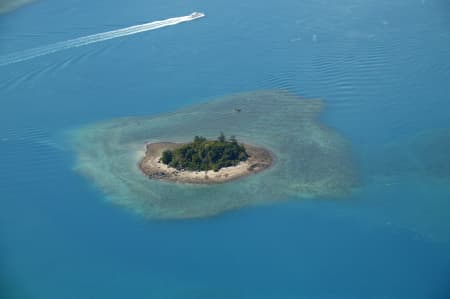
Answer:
(407, 183)
(9, 288)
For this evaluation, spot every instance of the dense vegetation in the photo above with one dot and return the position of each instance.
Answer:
(203, 154)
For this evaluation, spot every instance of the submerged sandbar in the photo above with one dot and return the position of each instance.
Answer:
(312, 160)
(151, 165)
(10, 5)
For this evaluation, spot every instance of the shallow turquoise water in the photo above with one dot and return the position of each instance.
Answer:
(311, 160)
(382, 70)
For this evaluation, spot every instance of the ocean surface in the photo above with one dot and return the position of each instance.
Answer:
(382, 69)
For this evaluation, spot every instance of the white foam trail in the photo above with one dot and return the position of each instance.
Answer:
(95, 38)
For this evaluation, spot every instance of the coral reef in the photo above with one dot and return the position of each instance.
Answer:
(312, 160)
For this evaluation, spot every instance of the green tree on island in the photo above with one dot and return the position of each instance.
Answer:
(204, 154)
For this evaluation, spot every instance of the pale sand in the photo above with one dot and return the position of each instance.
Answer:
(259, 160)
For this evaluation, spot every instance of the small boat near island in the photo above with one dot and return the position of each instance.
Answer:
(124, 157)
(197, 15)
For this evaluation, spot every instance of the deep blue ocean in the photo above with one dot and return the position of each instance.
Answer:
(383, 70)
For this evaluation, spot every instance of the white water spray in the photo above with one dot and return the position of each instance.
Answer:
(95, 38)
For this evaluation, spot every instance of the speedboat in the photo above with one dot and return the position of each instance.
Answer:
(196, 15)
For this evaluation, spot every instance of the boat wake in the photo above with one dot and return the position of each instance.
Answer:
(94, 38)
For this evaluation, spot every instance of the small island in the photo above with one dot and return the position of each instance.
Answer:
(203, 161)
(203, 154)
(287, 154)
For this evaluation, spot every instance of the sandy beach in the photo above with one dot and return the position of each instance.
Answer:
(259, 160)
